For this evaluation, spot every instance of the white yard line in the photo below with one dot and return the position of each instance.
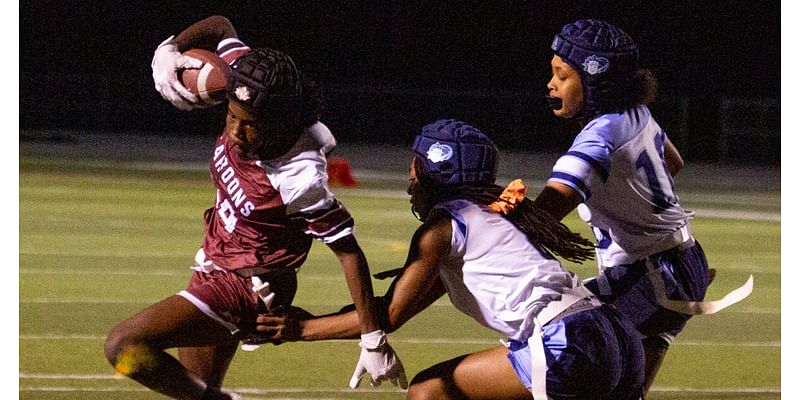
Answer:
(266, 391)
(489, 342)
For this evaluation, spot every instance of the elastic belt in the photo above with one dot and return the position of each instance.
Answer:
(201, 263)
(555, 309)
(694, 307)
(576, 300)
(263, 273)
(679, 240)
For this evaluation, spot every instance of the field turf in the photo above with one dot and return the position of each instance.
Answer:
(99, 241)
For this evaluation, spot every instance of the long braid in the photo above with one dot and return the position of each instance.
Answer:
(539, 226)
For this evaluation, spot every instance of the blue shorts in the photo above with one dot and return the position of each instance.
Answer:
(685, 276)
(594, 354)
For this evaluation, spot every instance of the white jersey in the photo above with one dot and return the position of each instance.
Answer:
(495, 275)
(617, 165)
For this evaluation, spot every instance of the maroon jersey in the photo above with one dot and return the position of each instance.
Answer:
(267, 212)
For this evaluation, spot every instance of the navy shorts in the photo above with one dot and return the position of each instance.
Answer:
(594, 355)
(685, 276)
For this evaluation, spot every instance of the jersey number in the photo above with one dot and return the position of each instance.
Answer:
(228, 215)
(662, 199)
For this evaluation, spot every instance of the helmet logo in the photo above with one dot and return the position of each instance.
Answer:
(595, 64)
(242, 93)
(439, 152)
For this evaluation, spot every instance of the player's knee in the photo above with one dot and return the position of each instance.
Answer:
(124, 352)
(420, 391)
(424, 387)
(113, 344)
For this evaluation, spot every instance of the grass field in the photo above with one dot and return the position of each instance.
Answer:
(99, 241)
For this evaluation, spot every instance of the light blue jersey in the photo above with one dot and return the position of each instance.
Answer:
(495, 275)
(617, 165)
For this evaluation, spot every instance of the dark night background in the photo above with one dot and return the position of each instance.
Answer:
(390, 67)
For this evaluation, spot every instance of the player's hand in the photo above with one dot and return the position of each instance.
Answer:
(282, 325)
(380, 361)
(166, 63)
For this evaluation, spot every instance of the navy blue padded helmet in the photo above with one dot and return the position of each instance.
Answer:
(607, 59)
(451, 153)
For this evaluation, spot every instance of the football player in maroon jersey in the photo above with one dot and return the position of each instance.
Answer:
(272, 200)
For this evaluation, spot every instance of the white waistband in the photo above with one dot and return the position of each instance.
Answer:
(554, 308)
(681, 238)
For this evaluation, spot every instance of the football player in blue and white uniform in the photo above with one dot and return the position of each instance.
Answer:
(492, 252)
(619, 169)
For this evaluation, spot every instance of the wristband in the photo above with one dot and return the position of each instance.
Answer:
(373, 340)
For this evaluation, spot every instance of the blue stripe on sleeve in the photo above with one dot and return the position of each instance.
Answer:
(574, 182)
(601, 170)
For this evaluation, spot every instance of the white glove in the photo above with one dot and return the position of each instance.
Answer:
(380, 360)
(166, 63)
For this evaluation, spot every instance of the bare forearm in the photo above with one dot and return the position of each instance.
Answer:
(557, 199)
(338, 326)
(673, 158)
(359, 284)
(205, 34)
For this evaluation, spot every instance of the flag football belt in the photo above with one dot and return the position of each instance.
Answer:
(202, 264)
(683, 237)
(574, 301)
(694, 307)
(260, 281)
(679, 240)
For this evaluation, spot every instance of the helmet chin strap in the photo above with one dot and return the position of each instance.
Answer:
(416, 214)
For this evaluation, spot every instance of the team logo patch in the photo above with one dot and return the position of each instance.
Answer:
(439, 152)
(242, 93)
(595, 64)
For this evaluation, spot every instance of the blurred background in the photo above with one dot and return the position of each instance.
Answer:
(389, 67)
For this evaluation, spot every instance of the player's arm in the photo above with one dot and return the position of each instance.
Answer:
(558, 199)
(356, 273)
(416, 288)
(205, 34)
(377, 358)
(167, 59)
(673, 158)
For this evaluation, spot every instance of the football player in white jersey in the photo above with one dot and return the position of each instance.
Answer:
(492, 252)
(272, 200)
(620, 167)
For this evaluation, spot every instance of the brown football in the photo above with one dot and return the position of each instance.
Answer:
(209, 82)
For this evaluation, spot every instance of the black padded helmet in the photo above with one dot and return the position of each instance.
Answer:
(267, 83)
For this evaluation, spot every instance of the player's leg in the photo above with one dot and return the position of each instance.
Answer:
(655, 349)
(486, 374)
(209, 363)
(686, 276)
(135, 347)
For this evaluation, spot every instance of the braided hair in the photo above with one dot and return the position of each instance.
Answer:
(542, 230)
